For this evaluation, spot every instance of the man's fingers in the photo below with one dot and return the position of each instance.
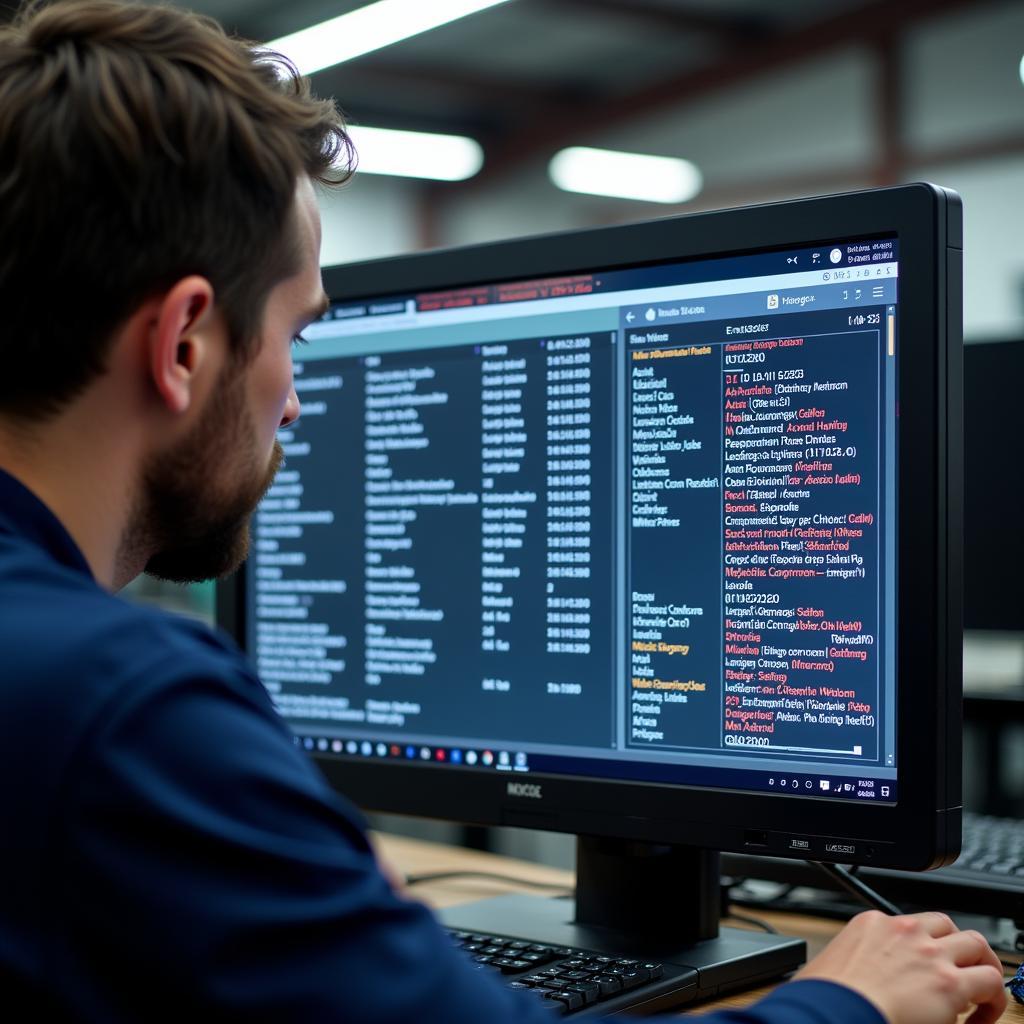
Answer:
(969, 949)
(935, 924)
(984, 986)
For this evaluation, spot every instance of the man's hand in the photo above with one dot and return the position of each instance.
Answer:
(918, 969)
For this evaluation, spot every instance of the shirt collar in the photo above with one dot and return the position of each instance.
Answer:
(23, 515)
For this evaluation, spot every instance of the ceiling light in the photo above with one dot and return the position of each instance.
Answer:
(1021, 71)
(606, 172)
(416, 154)
(370, 28)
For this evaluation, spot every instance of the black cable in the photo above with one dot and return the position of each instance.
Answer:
(763, 925)
(854, 885)
(439, 876)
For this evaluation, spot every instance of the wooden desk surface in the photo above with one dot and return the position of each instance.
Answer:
(416, 857)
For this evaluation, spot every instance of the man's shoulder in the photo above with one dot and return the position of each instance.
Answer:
(65, 638)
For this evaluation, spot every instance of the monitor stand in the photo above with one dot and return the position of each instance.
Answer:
(645, 902)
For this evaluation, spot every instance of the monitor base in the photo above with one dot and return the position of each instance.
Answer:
(736, 959)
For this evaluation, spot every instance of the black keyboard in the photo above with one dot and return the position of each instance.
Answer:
(568, 980)
(992, 846)
(986, 879)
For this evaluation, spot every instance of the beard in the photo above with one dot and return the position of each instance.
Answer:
(197, 500)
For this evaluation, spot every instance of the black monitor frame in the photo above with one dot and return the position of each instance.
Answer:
(923, 829)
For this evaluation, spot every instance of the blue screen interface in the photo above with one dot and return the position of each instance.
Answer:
(635, 524)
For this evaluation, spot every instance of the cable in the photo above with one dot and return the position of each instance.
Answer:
(745, 919)
(439, 876)
(854, 885)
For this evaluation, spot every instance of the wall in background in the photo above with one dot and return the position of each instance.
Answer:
(368, 218)
(993, 257)
(963, 82)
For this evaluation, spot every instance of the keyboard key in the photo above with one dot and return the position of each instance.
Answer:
(572, 1000)
(609, 985)
(654, 970)
(630, 979)
(509, 965)
(589, 992)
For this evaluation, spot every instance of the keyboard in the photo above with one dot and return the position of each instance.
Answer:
(986, 879)
(568, 980)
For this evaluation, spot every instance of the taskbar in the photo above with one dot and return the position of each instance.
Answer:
(820, 784)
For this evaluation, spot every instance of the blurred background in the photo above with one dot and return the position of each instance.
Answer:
(767, 100)
(752, 102)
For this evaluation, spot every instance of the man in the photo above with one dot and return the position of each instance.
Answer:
(167, 853)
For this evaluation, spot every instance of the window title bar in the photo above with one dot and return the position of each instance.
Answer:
(841, 257)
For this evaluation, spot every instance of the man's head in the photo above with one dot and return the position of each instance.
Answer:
(149, 161)
(197, 496)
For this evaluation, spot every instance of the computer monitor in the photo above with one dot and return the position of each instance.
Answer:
(994, 555)
(648, 534)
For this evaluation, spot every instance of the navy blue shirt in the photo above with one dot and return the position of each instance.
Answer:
(167, 852)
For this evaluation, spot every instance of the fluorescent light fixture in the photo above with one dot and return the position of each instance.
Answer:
(607, 172)
(369, 28)
(416, 154)
(1021, 71)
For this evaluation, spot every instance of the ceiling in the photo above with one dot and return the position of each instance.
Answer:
(528, 77)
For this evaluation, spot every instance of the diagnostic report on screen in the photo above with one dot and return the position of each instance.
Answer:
(637, 524)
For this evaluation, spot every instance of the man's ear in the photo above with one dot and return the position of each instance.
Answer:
(179, 342)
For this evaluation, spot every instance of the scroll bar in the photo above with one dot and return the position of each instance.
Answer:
(890, 329)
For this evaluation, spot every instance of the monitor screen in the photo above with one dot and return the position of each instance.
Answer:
(645, 524)
(633, 523)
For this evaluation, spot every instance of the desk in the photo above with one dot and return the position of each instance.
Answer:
(415, 857)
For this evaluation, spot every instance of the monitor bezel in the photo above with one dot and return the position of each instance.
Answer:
(923, 828)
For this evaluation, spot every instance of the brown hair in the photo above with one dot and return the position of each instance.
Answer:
(140, 144)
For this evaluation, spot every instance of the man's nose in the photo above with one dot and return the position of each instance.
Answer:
(291, 409)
